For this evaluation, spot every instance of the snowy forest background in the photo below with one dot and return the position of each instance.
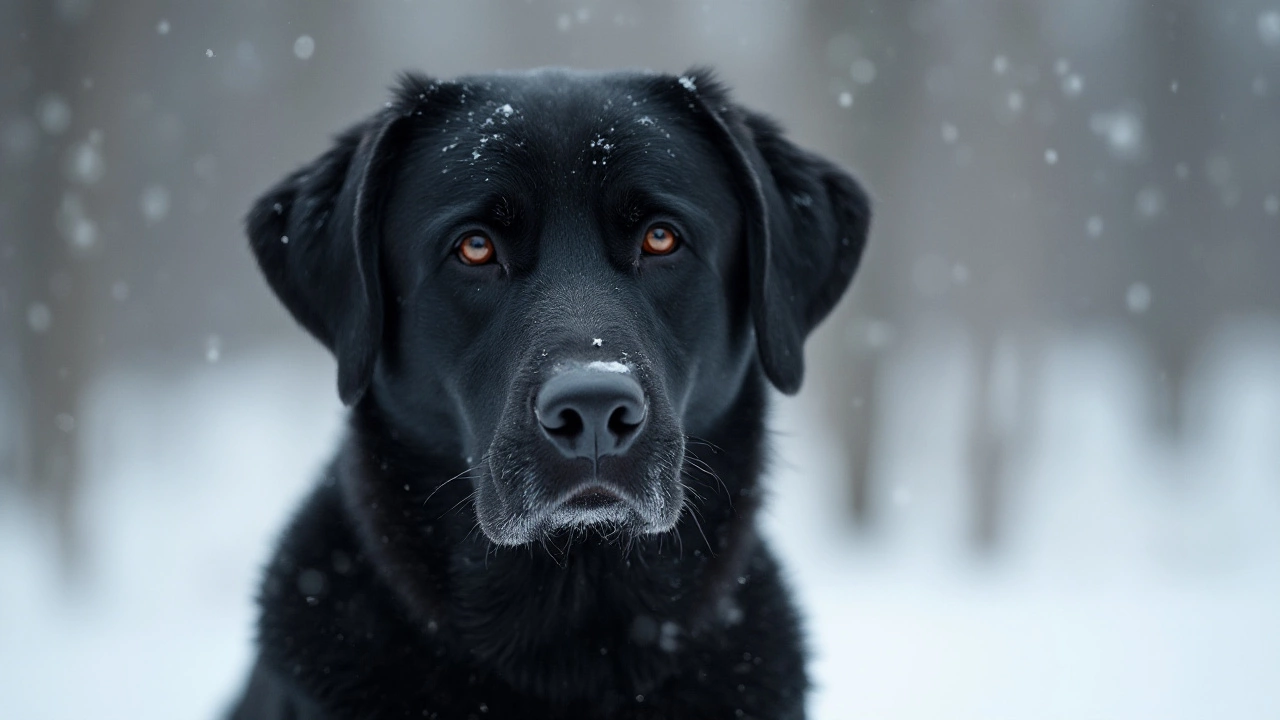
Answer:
(1034, 471)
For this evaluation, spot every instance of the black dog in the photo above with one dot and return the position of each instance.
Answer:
(554, 299)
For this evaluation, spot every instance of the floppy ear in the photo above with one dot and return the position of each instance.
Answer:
(806, 226)
(316, 238)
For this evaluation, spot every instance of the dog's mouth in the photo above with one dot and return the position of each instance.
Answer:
(519, 503)
(591, 499)
(593, 506)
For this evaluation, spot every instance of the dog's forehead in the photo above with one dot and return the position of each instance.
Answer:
(569, 123)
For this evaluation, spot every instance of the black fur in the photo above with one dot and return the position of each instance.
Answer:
(428, 575)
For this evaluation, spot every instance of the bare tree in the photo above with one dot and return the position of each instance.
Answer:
(53, 241)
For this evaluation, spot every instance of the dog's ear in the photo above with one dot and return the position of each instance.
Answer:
(806, 225)
(316, 238)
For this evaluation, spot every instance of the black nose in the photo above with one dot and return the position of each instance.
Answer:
(588, 413)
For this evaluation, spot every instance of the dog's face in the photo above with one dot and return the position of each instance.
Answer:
(559, 277)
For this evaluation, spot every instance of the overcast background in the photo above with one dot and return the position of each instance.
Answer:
(1035, 468)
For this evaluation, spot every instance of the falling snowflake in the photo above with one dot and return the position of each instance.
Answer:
(304, 47)
(1138, 298)
(39, 317)
(154, 203)
(213, 348)
(863, 71)
(54, 114)
(1123, 131)
(1269, 27)
(1150, 202)
(1072, 85)
(1094, 227)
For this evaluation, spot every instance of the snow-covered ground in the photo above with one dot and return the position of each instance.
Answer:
(1139, 580)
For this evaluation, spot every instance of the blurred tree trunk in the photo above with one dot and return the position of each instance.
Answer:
(875, 148)
(51, 236)
(1175, 244)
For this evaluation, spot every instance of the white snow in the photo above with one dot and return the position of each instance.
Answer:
(304, 47)
(1140, 579)
(1150, 202)
(1138, 298)
(74, 223)
(612, 366)
(1015, 102)
(1094, 226)
(863, 71)
(1269, 27)
(85, 163)
(213, 348)
(193, 476)
(39, 317)
(154, 203)
(1072, 85)
(1123, 131)
(54, 114)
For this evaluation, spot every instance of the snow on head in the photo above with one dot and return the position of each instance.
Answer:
(687, 82)
(612, 366)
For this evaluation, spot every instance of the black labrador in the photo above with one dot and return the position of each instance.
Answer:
(554, 298)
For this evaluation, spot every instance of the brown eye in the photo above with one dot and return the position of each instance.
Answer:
(475, 249)
(659, 240)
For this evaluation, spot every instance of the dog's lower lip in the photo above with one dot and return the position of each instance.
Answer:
(594, 497)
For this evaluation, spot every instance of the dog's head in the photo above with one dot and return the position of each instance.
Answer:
(557, 277)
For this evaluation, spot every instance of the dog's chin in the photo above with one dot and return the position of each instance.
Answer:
(513, 516)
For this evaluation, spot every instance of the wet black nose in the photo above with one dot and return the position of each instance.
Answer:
(588, 413)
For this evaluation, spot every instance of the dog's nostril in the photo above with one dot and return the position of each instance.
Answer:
(624, 421)
(567, 424)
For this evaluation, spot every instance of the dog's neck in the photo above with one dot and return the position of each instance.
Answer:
(546, 617)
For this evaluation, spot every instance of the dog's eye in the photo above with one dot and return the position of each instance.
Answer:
(476, 249)
(659, 240)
